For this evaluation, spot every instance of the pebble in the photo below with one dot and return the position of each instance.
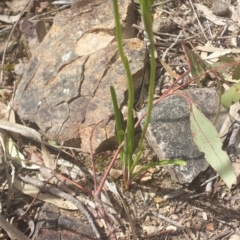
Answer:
(150, 229)
(220, 8)
(19, 68)
(174, 217)
(115, 173)
(171, 228)
(234, 237)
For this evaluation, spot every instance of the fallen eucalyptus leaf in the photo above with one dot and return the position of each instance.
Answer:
(207, 139)
(32, 191)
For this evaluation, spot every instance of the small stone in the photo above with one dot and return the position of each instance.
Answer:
(167, 79)
(174, 217)
(220, 8)
(163, 25)
(159, 199)
(210, 227)
(146, 177)
(151, 170)
(147, 219)
(103, 223)
(115, 173)
(235, 237)
(150, 229)
(171, 228)
(187, 224)
(152, 194)
(197, 226)
(19, 68)
(204, 216)
(99, 222)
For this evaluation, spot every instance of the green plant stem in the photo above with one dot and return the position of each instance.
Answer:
(129, 133)
(147, 19)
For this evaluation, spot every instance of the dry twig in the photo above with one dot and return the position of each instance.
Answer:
(198, 19)
(167, 220)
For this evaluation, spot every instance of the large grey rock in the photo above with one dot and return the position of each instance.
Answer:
(169, 131)
(65, 89)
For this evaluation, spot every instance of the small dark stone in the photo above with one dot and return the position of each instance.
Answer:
(220, 8)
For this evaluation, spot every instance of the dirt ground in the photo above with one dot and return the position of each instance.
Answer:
(156, 207)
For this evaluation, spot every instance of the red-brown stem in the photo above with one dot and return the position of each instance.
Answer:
(76, 184)
(97, 190)
(92, 156)
(108, 169)
(98, 201)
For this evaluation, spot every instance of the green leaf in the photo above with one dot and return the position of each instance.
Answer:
(52, 142)
(146, 3)
(207, 139)
(198, 66)
(117, 114)
(118, 122)
(226, 59)
(224, 64)
(231, 96)
(236, 72)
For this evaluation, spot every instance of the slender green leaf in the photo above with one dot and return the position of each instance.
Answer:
(207, 139)
(197, 64)
(231, 96)
(147, 20)
(226, 59)
(119, 127)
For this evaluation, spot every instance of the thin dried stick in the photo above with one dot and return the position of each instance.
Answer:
(172, 45)
(209, 180)
(92, 156)
(198, 19)
(224, 235)
(167, 220)
(161, 3)
(53, 190)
